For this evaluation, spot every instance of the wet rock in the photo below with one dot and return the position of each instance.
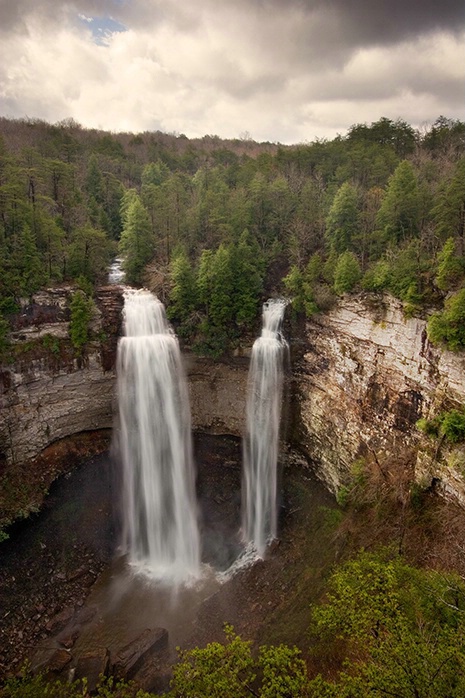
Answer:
(91, 665)
(86, 614)
(57, 662)
(128, 660)
(59, 621)
(67, 639)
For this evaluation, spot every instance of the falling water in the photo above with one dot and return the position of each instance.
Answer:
(160, 518)
(259, 509)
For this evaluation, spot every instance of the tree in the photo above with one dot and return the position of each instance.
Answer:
(89, 254)
(230, 669)
(82, 309)
(183, 296)
(398, 216)
(136, 243)
(451, 267)
(347, 273)
(402, 628)
(448, 327)
(343, 220)
(449, 212)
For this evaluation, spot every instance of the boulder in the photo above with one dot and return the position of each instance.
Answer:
(128, 660)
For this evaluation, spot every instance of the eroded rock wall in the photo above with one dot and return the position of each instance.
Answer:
(366, 376)
(47, 393)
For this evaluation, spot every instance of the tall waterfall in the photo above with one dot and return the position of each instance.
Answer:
(160, 517)
(259, 492)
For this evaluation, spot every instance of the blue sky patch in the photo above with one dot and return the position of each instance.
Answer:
(102, 28)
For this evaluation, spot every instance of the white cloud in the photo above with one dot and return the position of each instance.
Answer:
(283, 76)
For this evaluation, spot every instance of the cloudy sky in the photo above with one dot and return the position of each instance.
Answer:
(278, 70)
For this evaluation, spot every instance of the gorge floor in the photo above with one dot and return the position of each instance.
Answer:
(55, 566)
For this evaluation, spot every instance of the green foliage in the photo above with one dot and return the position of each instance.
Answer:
(230, 669)
(343, 219)
(81, 308)
(450, 424)
(451, 267)
(402, 628)
(398, 216)
(183, 295)
(216, 671)
(430, 427)
(4, 331)
(448, 212)
(68, 195)
(448, 327)
(137, 243)
(347, 273)
(453, 425)
(28, 686)
(89, 254)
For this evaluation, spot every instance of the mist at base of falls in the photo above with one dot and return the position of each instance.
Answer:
(160, 527)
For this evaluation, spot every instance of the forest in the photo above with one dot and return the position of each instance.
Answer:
(214, 226)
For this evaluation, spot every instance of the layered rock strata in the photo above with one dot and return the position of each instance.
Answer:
(366, 376)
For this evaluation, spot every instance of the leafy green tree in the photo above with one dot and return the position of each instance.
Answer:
(89, 254)
(343, 220)
(27, 263)
(377, 277)
(451, 267)
(248, 269)
(449, 212)
(347, 273)
(230, 669)
(448, 327)
(403, 628)
(399, 214)
(183, 296)
(82, 309)
(136, 243)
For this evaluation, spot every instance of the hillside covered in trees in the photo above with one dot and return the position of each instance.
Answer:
(213, 226)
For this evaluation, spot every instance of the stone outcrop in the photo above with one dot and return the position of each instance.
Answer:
(48, 393)
(217, 394)
(366, 376)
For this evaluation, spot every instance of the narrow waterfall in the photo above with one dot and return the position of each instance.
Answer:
(160, 517)
(259, 491)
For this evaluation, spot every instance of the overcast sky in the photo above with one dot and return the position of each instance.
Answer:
(279, 70)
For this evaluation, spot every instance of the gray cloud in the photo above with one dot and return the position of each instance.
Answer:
(282, 70)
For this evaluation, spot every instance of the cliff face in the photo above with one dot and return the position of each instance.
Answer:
(366, 376)
(48, 393)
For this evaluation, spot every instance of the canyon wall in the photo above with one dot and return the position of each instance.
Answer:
(365, 375)
(362, 375)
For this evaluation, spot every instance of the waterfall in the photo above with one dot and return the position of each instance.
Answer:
(160, 527)
(265, 385)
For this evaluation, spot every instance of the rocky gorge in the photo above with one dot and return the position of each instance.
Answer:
(361, 376)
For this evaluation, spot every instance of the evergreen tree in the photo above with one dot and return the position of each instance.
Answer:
(183, 296)
(347, 273)
(451, 267)
(136, 244)
(343, 220)
(399, 214)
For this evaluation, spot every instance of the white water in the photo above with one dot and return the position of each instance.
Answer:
(259, 489)
(115, 274)
(160, 517)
